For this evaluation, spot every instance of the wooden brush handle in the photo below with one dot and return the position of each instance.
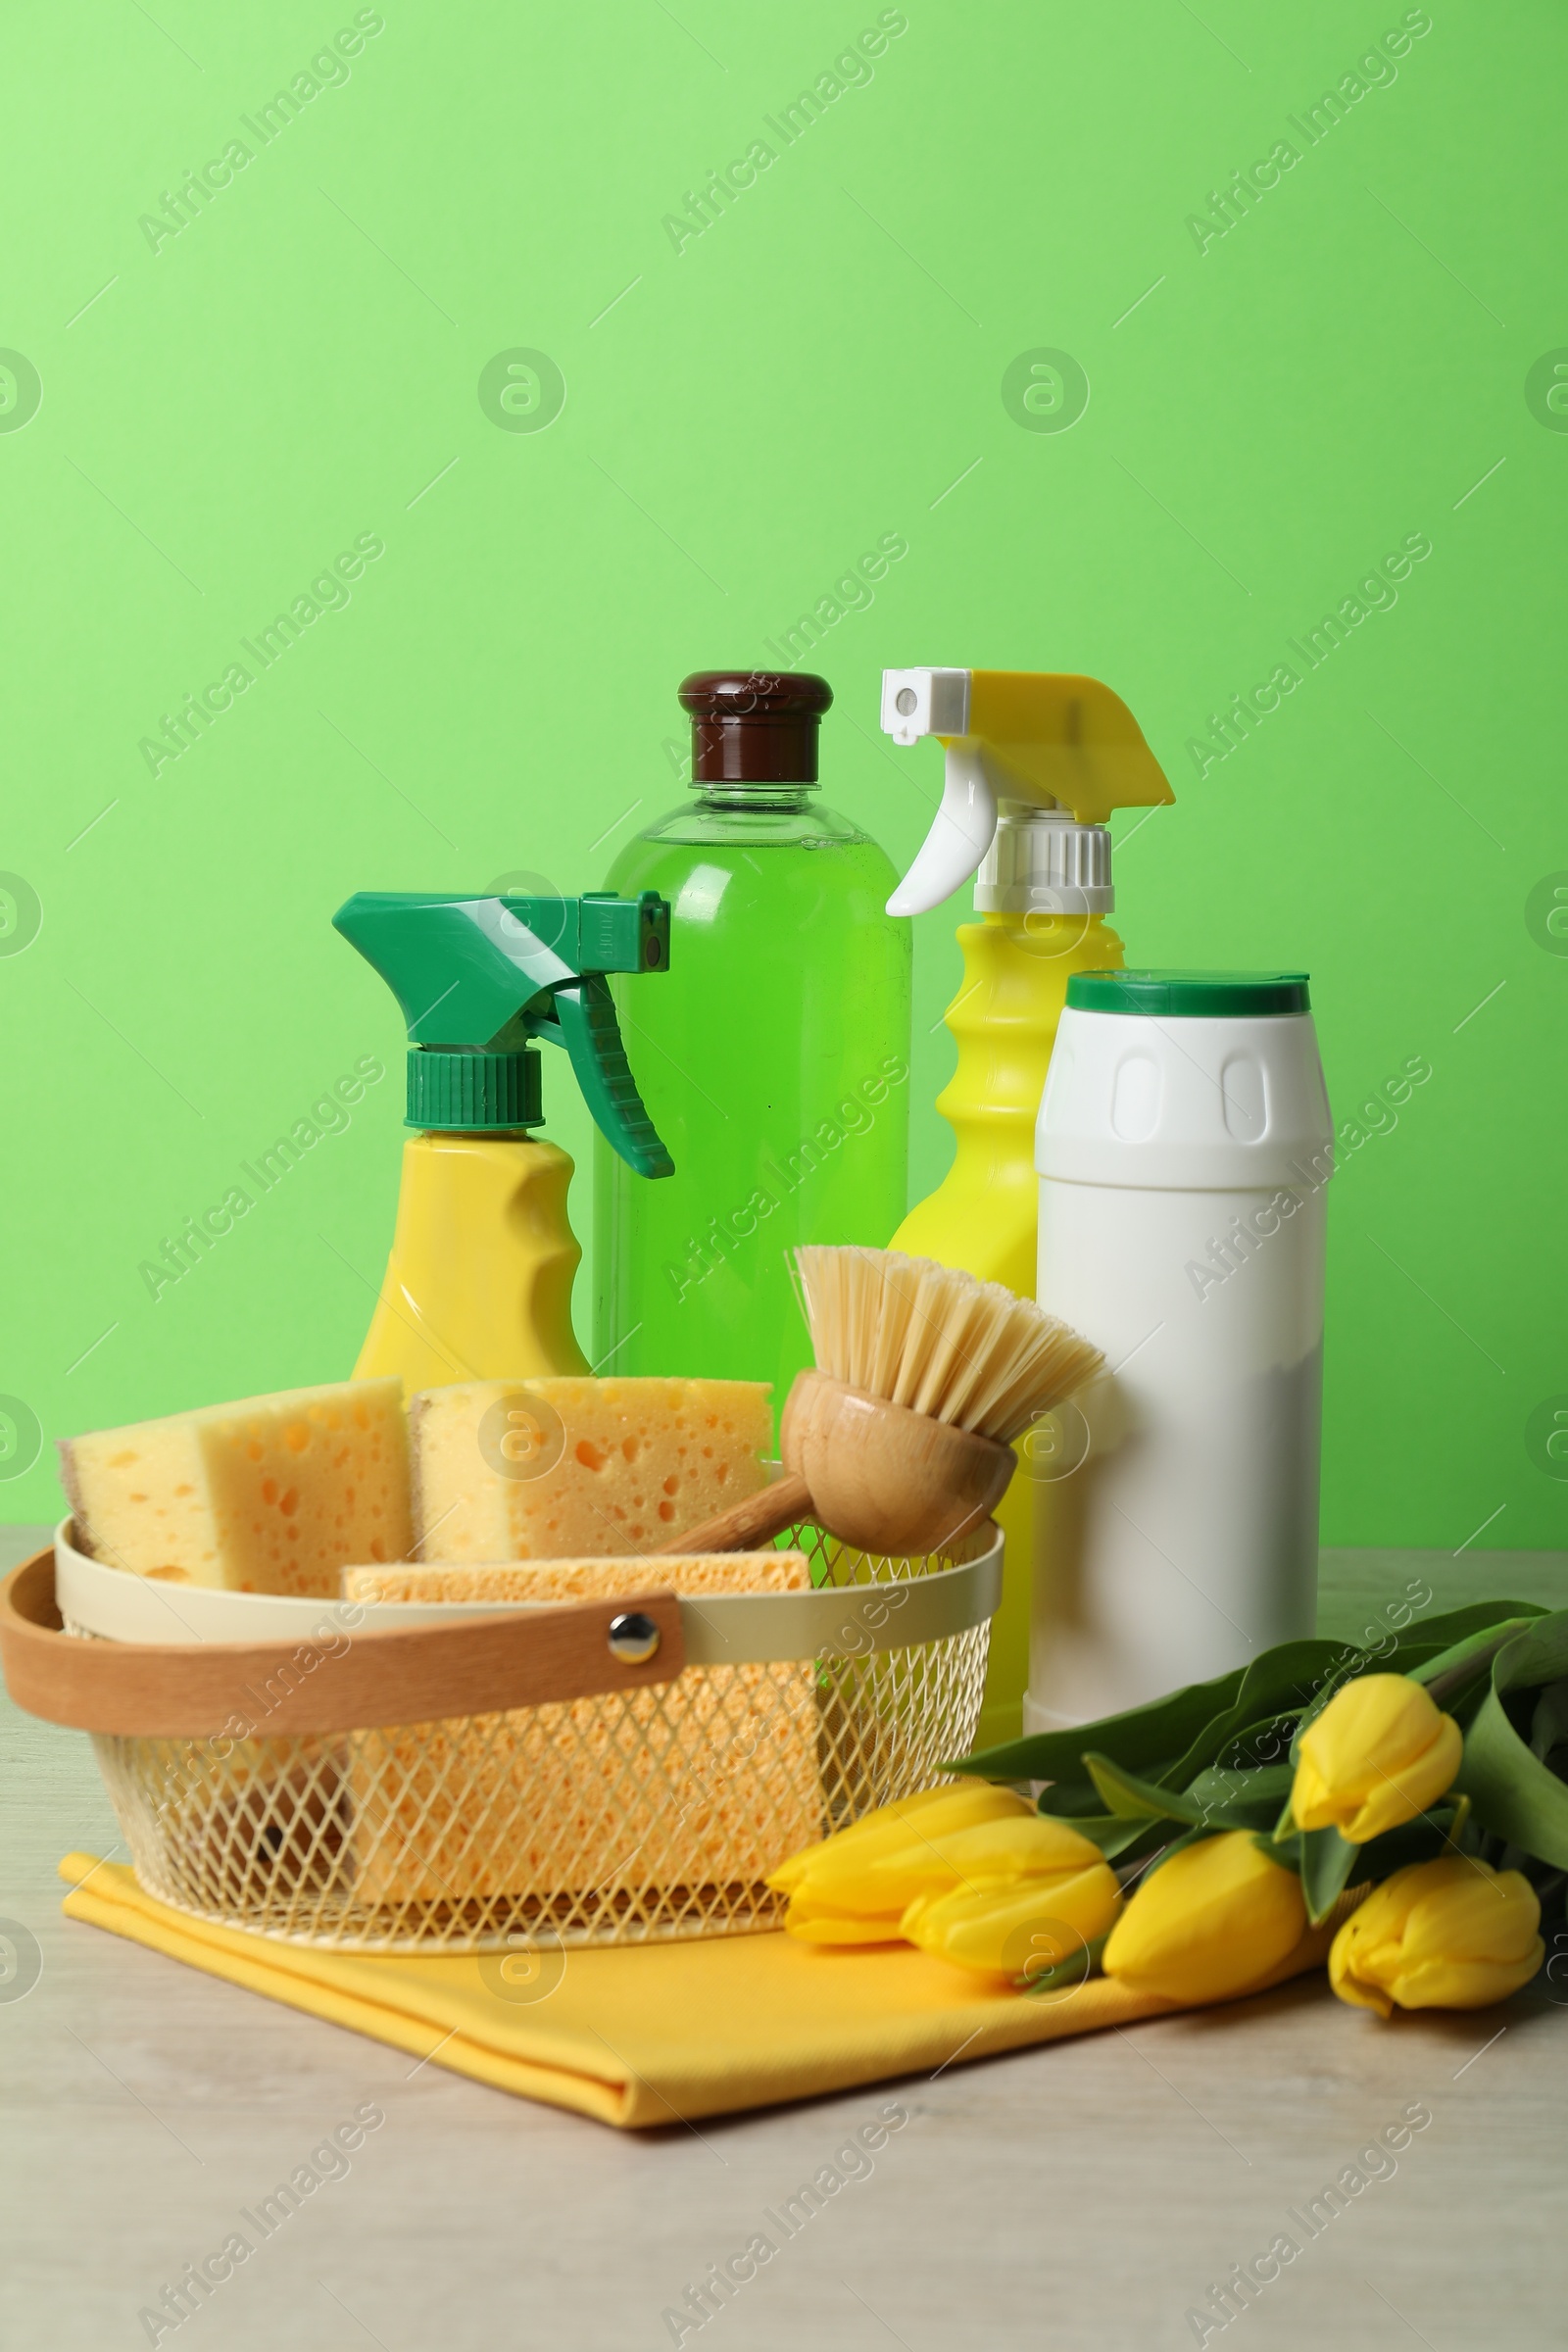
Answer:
(753, 1521)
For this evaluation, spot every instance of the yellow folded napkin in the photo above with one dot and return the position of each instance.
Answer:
(645, 2034)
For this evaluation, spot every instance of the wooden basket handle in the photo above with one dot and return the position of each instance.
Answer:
(358, 1682)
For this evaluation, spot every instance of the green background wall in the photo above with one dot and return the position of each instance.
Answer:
(1272, 409)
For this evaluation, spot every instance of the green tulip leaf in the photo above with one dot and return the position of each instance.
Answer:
(1133, 1799)
(1451, 1637)
(1068, 1974)
(1139, 1739)
(1548, 1725)
(1253, 1798)
(1420, 1840)
(1172, 1741)
(1514, 1794)
(1451, 1627)
(1191, 1726)
(1067, 1799)
(1384, 1651)
(1259, 1747)
(1216, 1800)
(1281, 1682)
(1457, 1625)
(1114, 1833)
(1537, 1655)
(1454, 1669)
(1325, 1862)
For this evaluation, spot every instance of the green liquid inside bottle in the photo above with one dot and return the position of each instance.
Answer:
(774, 1060)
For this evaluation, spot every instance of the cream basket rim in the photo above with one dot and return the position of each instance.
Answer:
(728, 1629)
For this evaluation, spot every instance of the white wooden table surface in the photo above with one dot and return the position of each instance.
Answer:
(1079, 2195)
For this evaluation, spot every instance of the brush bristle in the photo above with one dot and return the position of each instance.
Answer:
(939, 1342)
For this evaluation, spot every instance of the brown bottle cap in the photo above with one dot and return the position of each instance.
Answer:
(755, 726)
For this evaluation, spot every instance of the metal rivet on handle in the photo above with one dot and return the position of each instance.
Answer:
(633, 1637)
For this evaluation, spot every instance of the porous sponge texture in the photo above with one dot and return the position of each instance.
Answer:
(557, 1467)
(588, 1579)
(271, 1494)
(707, 1782)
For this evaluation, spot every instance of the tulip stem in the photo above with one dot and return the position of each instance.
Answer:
(1072, 1972)
(1473, 1662)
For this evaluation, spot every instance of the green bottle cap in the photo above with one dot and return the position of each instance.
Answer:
(1191, 996)
(474, 1093)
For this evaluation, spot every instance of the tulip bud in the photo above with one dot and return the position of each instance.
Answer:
(1015, 1927)
(933, 1812)
(1378, 1755)
(1209, 1922)
(1452, 1933)
(810, 1922)
(1027, 1845)
(834, 1893)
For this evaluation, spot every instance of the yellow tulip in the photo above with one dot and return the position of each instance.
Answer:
(1379, 1754)
(1028, 1845)
(1015, 1927)
(812, 1922)
(839, 1861)
(1209, 1924)
(1447, 1935)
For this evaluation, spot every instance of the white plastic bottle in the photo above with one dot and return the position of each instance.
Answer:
(1183, 1147)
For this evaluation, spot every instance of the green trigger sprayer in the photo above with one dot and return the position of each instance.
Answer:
(478, 1283)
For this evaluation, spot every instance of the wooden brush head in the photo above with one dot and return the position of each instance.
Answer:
(900, 1442)
(926, 1336)
(883, 1478)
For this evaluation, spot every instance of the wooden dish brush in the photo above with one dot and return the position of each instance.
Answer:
(900, 1442)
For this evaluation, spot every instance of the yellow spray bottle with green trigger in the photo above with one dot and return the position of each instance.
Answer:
(479, 1282)
(1036, 762)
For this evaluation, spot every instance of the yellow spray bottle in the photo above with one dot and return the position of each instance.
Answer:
(1036, 761)
(478, 1283)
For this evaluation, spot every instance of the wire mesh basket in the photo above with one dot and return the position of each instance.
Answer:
(456, 1779)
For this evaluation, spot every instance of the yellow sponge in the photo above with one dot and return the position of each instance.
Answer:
(589, 1578)
(271, 1495)
(709, 1781)
(505, 1470)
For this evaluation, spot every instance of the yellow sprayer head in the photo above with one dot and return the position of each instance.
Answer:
(1047, 742)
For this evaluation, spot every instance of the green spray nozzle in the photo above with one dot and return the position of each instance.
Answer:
(479, 979)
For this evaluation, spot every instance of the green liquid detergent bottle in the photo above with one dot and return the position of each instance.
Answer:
(776, 1062)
